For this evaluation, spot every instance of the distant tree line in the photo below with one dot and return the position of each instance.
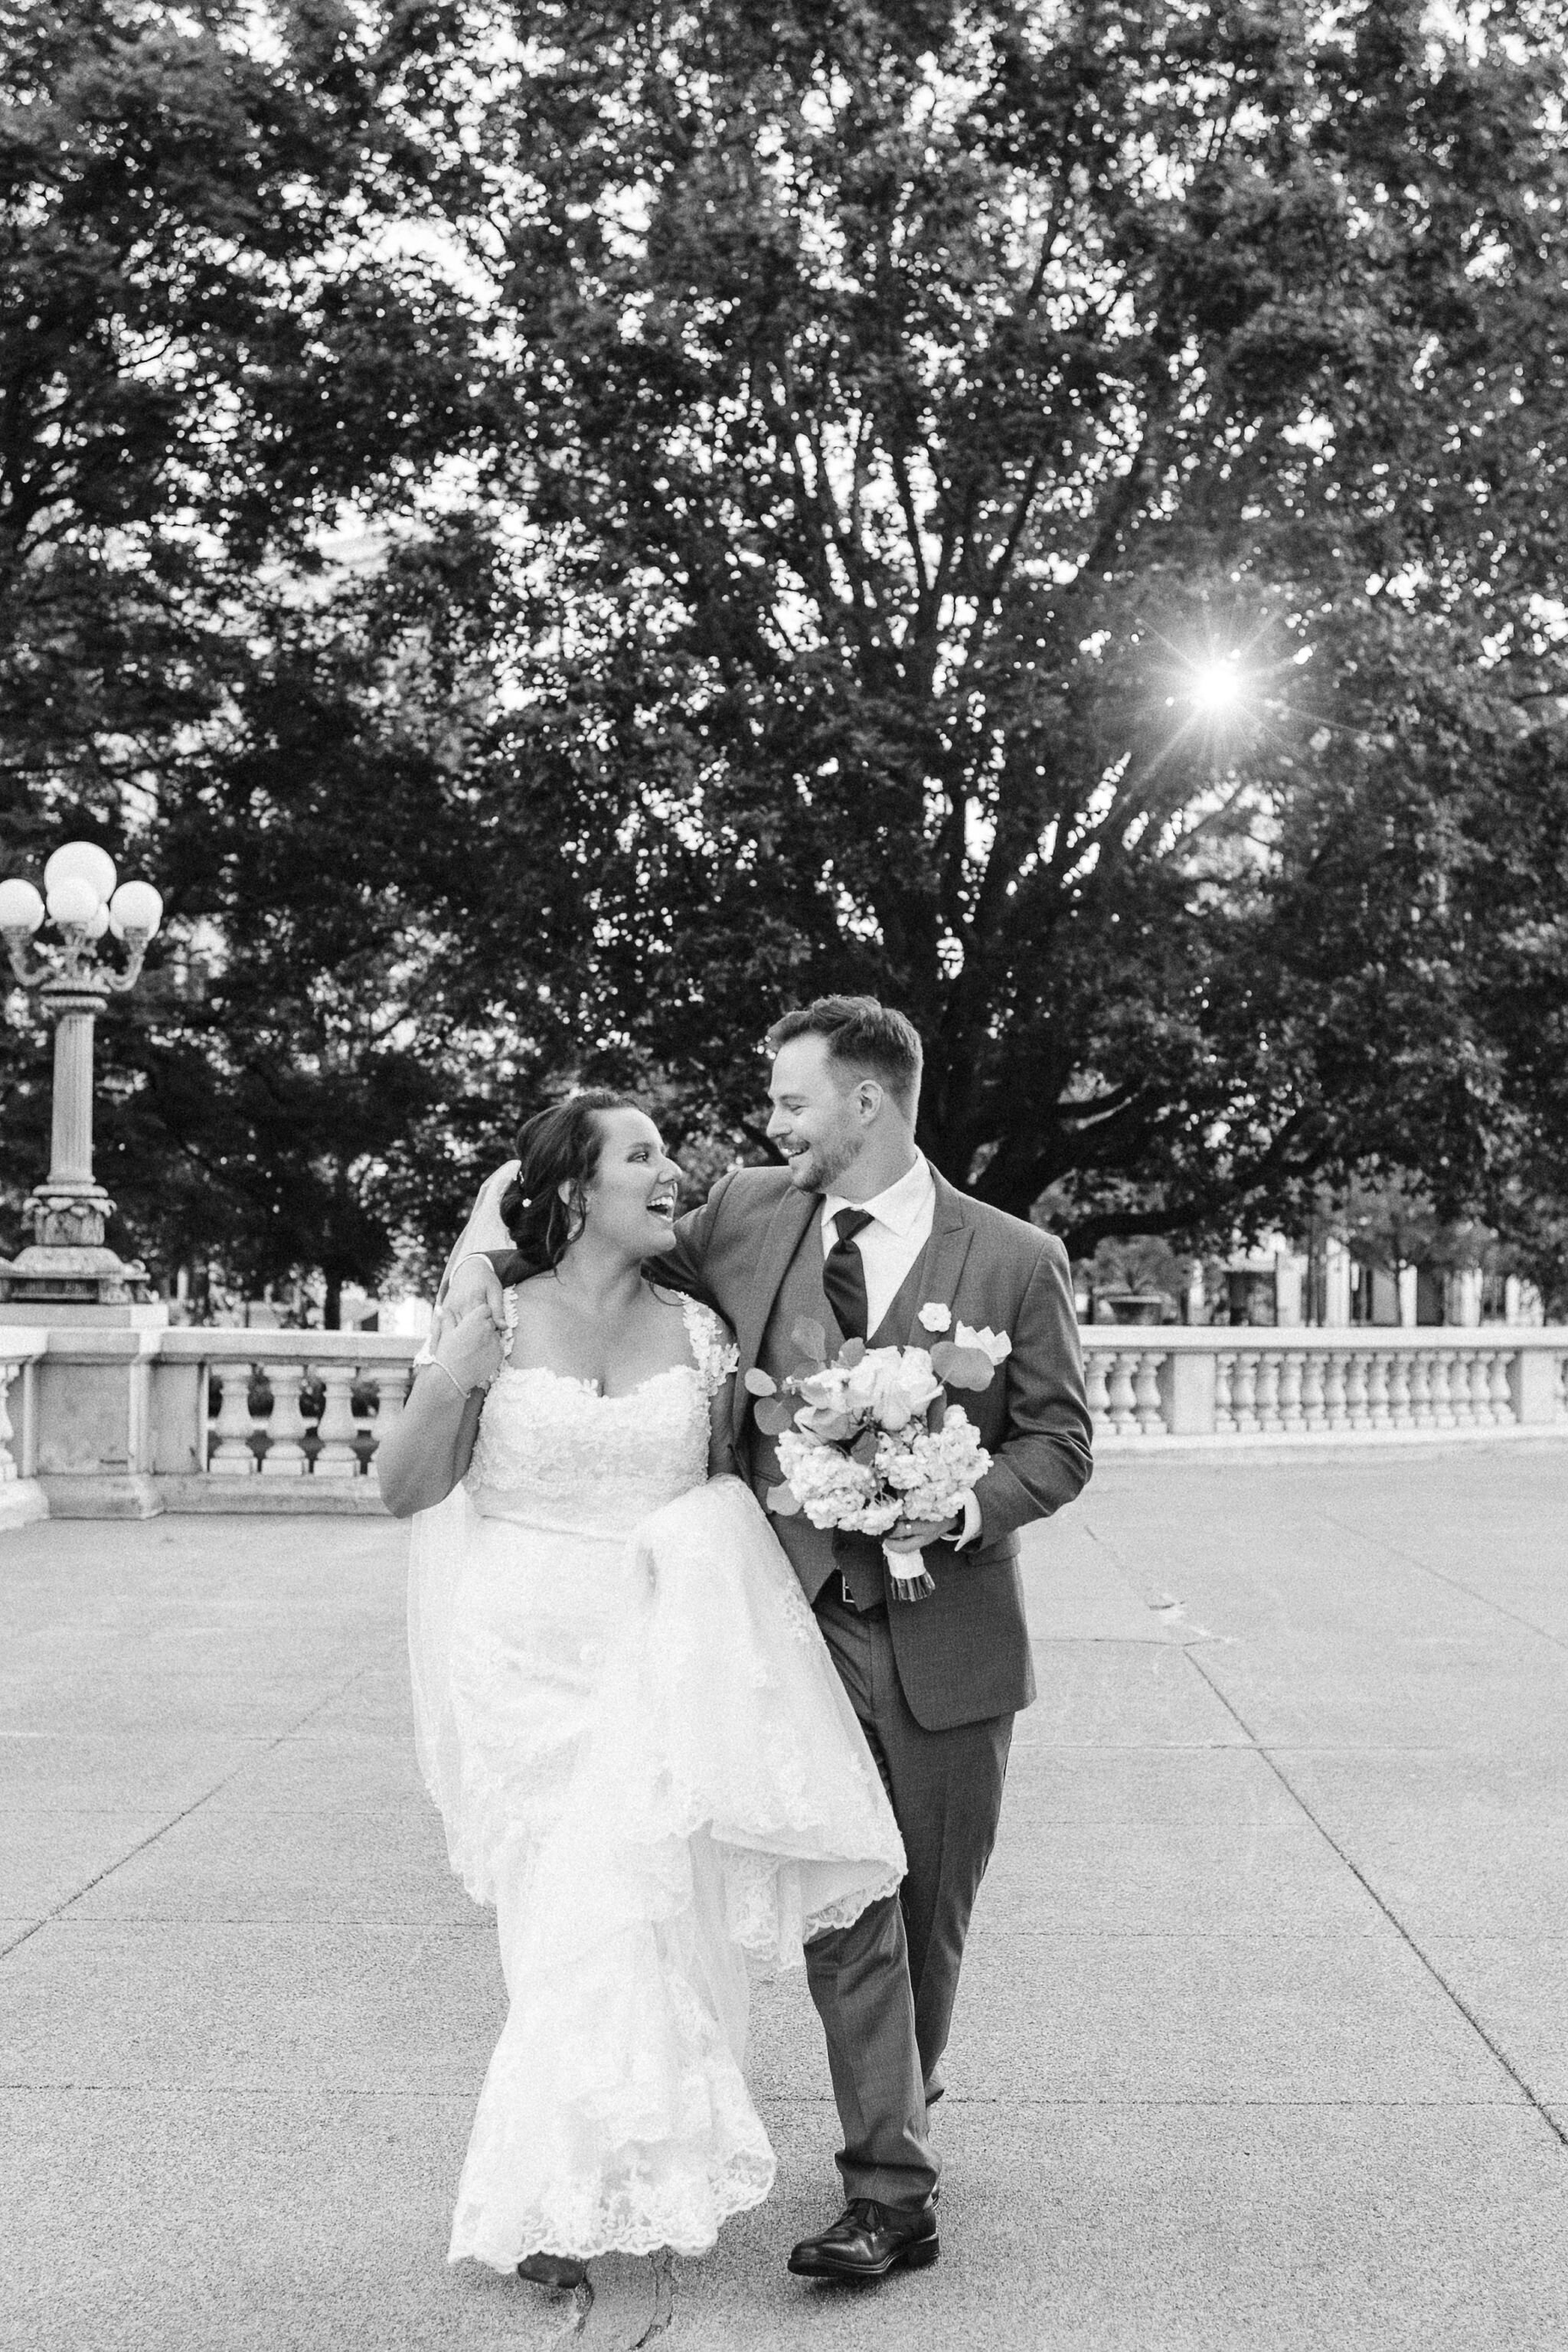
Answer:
(552, 531)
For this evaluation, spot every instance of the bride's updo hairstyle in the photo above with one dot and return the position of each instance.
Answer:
(558, 1146)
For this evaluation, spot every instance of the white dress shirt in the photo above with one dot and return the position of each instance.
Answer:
(900, 1229)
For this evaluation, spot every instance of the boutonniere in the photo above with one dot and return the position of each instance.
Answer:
(934, 1317)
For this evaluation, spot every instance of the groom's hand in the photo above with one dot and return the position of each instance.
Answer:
(915, 1533)
(475, 1284)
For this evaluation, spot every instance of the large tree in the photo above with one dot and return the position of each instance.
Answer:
(900, 410)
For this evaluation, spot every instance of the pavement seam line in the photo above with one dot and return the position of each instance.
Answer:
(1557, 2130)
(1484, 1600)
(50, 1917)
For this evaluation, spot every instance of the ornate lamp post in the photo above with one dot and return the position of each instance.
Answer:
(69, 1261)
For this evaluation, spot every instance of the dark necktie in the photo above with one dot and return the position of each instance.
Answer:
(844, 1274)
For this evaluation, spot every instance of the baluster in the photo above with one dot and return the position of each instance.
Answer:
(7, 1459)
(1290, 1368)
(1094, 1383)
(1464, 1391)
(1244, 1392)
(1421, 1389)
(1356, 1412)
(1503, 1386)
(337, 1458)
(232, 1455)
(1377, 1389)
(1486, 1384)
(1399, 1388)
(1314, 1412)
(1334, 1390)
(1442, 1399)
(1492, 1362)
(1123, 1404)
(285, 1457)
(1268, 1417)
(391, 1381)
(1224, 1393)
(1146, 1392)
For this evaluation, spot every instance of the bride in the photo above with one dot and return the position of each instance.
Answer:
(625, 1712)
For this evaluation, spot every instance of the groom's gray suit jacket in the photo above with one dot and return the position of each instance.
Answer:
(756, 1247)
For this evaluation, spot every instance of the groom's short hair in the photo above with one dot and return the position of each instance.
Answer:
(868, 1038)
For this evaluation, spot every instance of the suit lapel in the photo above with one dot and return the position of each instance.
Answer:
(790, 1219)
(951, 1234)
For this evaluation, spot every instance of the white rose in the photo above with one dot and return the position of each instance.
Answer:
(827, 1389)
(934, 1317)
(864, 1382)
(994, 1345)
(905, 1386)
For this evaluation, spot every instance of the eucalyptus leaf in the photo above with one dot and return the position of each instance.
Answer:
(811, 1340)
(783, 1502)
(773, 1415)
(758, 1383)
(832, 1428)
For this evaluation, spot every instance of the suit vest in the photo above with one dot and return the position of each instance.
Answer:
(817, 1553)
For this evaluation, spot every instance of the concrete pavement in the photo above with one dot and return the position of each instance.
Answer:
(1261, 2040)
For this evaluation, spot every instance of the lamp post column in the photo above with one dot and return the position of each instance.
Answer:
(69, 1263)
(70, 1210)
(68, 1197)
(98, 1387)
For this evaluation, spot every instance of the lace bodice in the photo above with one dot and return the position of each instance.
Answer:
(552, 1451)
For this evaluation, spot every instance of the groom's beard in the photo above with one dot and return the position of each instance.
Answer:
(822, 1165)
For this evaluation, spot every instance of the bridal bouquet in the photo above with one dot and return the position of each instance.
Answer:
(871, 1442)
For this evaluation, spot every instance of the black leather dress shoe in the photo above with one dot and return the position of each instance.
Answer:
(867, 2241)
(552, 2269)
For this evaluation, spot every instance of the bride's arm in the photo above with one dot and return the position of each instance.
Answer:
(428, 1447)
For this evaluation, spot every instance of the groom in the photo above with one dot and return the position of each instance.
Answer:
(859, 1232)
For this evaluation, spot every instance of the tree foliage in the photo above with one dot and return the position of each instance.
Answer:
(214, 352)
(824, 456)
(903, 407)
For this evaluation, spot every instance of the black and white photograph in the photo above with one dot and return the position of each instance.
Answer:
(784, 1175)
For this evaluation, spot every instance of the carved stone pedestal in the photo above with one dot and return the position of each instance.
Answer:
(68, 1272)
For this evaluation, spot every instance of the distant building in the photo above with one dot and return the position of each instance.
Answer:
(1329, 1286)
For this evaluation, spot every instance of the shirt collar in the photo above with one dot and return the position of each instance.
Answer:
(899, 1206)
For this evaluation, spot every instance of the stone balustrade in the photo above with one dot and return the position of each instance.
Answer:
(122, 1424)
(113, 1422)
(21, 1496)
(1223, 1384)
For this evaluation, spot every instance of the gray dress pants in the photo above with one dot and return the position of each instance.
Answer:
(884, 1988)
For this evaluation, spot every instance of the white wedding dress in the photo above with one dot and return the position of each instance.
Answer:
(646, 1761)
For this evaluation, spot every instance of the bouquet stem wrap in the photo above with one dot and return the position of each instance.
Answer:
(911, 1579)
